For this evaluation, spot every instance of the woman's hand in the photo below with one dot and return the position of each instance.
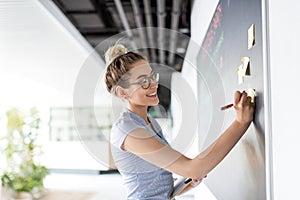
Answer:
(196, 182)
(244, 107)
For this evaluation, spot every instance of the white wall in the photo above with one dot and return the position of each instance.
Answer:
(202, 13)
(41, 54)
(284, 31)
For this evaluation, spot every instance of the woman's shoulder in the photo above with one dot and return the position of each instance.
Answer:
(127, 122)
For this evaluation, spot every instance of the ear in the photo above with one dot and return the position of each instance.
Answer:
(121, 92)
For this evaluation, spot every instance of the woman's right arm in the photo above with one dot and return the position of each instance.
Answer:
(143, 144)
(202, 164)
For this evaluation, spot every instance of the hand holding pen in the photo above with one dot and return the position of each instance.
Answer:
(251, 92)
(244, 107)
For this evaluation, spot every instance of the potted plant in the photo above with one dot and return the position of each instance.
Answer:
(23, 175)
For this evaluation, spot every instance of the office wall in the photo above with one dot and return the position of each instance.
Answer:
(41, 54)
(244, 173)
(284, 45)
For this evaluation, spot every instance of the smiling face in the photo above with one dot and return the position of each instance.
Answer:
(140, 74)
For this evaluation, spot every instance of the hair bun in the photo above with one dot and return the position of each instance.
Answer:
(114, 52)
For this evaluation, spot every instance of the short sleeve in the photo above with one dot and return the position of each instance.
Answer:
(125, 125)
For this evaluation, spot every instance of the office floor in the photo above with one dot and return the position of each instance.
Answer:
(106, 187)
(63, 186)
(89, 187)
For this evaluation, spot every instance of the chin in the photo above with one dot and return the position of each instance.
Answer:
(154, 103)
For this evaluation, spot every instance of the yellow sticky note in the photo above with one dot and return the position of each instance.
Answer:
(244, 69)
(251, 36)
(251, 93)
(246, 65)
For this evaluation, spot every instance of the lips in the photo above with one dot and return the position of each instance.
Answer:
(151, 94)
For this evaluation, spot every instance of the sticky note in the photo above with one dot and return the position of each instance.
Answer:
(251, 36)
(251, 93)
(244, 69)
(246, 65)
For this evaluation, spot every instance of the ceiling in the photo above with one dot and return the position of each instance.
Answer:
(104, 22)
(99, 20)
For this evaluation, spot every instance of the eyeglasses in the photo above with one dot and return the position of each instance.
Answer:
(145, 82)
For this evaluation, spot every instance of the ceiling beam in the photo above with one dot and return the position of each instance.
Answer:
(76, 12)
(99, 31)
(103, 13)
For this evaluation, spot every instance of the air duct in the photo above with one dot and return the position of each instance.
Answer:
(149, 24)
(125, 22)
(161, 26)
(139, 24)
(174, 27)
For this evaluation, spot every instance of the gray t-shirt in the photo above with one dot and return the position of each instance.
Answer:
(142, 179)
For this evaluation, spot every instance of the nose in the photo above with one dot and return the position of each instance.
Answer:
(154, 84)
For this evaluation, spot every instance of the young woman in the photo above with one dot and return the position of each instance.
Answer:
(140, 151)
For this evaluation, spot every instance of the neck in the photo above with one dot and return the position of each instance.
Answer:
(140, 111)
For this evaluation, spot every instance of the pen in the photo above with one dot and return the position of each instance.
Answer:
(226, 107)
(188, 180)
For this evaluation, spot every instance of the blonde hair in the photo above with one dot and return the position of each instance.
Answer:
(119, 60)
